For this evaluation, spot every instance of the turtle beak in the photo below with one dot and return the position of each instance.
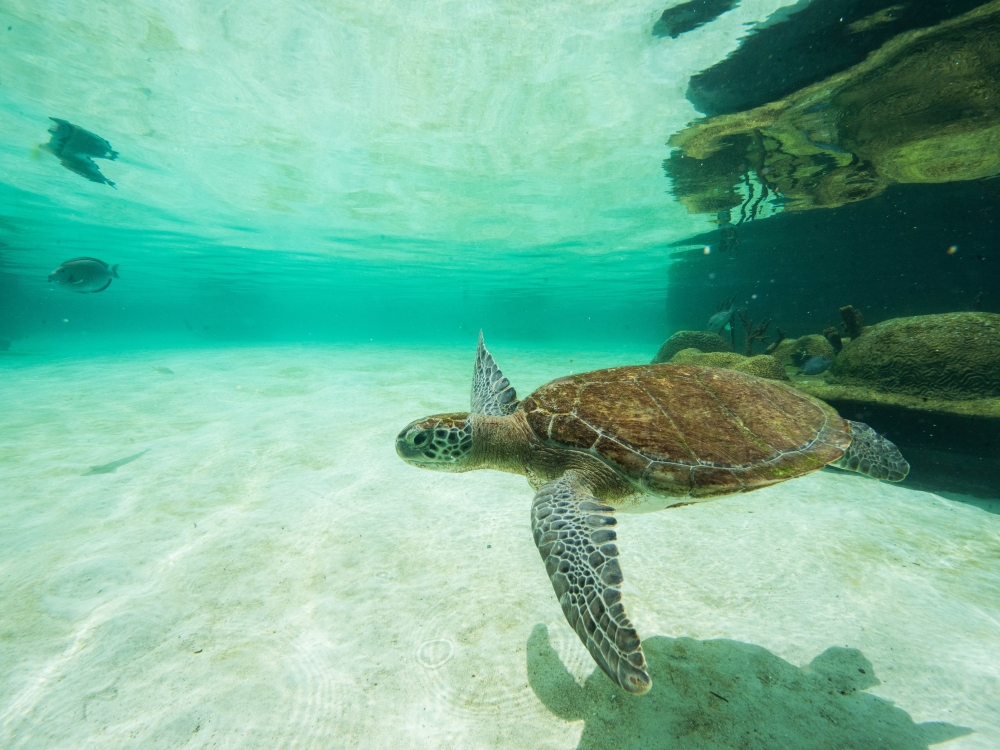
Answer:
(404, 450)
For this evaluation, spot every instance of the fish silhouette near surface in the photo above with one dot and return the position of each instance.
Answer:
(77, 148)
(111, 467)
(690, 15)
(84, 275)
(815, 366)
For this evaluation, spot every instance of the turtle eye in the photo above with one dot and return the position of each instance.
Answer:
(420, 438)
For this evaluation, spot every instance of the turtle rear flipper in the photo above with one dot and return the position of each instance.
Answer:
(574, 533)
(870, 453)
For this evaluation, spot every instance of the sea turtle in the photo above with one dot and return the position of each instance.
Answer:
(634, 439)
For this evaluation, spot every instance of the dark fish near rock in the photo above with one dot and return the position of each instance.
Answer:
(720, 320)
(75, 146)
(111, 467)
(690, 15)
(84, 275)
(815, 365)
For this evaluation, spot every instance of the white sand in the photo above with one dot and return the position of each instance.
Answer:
(270, 574)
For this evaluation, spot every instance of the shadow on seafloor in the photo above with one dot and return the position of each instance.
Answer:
(728, 694)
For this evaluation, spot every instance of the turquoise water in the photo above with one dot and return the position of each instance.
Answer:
(206, 536)
(323, 171)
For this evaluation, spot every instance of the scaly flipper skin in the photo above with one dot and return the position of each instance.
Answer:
(491, 392)
(574, 533)
(870, 453)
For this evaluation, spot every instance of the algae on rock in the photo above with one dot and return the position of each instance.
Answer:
(762, 365)
(794, 352)
(703, 341)
(953, 356)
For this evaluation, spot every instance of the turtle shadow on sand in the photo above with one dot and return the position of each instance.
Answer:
(727, 694)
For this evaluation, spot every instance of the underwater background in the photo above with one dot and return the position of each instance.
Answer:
(206, 536)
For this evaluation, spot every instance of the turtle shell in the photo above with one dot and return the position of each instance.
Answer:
(684, 430)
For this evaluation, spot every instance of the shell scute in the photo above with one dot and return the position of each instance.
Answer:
(573, 431)
(538, 418)
(714, 480)
(669, 479)
(711, 430)
(755, 404)
(628, 460)
(559, 396)
(626, 411)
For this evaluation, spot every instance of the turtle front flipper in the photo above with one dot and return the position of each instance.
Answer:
(492, 393)
(870, 453)
(574, 533)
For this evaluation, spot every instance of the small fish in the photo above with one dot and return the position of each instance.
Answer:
(110, 468)
(84, 275)
(163, 370)
(815, 365)
(825, 146)
(75, 146)
(718, 322)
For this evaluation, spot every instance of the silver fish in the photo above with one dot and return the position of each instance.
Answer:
(718, 322)
(84, 275)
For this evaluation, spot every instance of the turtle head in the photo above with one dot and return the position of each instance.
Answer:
(442, 442)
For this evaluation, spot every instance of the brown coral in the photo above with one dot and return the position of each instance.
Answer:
(833, 336)
(854, 321)
(752, 331)
(776, 343)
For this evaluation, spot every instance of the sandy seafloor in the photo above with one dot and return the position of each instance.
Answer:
(270, 574)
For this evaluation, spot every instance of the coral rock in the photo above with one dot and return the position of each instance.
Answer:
(703, 341)
(763, 365)
(952, 356)
(798, 351)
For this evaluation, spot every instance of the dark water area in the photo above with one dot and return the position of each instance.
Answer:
(914, 250)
